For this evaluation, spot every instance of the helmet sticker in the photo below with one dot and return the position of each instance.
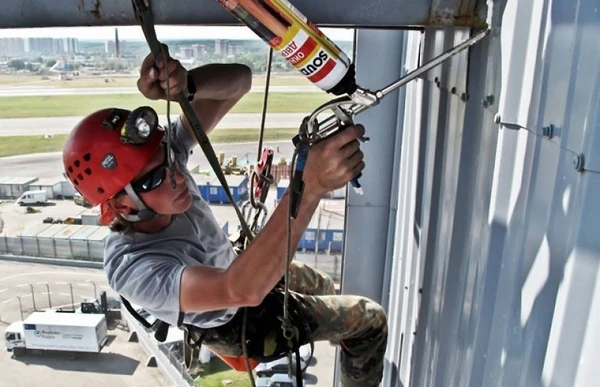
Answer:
(109, 161)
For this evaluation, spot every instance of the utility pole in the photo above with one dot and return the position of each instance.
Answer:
(72, 300)
(48, 293)
(33, 298)
(20, 307)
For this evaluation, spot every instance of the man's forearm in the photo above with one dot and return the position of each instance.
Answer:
(221, 81)
(258, 269)
(218, 88)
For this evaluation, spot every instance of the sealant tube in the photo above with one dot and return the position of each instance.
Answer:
(299, 41)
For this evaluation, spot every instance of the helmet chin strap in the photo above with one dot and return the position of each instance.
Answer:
(143, 213)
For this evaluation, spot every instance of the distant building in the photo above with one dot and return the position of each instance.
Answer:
(198, 51)
(232, 50)
(186, 52)
(39, 46)
(220, 47)
(12, 46)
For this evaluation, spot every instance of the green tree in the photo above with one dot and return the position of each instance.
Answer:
(114, 65)
(50, 62)
(16, 64)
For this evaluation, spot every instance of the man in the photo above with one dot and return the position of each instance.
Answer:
(168, 254)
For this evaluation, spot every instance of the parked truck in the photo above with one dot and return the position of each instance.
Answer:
(56, 331)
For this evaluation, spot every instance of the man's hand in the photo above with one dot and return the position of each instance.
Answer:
(153, 77)
(334, 162)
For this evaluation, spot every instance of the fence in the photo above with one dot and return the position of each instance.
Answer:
(80, 249)
(93, 251)
(329, 264)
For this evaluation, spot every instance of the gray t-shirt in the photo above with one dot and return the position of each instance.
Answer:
(146, 269)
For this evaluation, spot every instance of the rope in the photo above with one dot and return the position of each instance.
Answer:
(264, 106)
(169, 129)
(260, 178)
(256, 206)
(286, 325)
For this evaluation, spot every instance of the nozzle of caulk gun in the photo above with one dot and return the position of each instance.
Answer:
(357, 188)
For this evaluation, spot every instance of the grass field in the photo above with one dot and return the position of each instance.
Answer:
(288, 79)
(80, 105)
(20, 145)
(220, 374)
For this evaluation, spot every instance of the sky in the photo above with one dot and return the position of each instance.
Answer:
(163, 32)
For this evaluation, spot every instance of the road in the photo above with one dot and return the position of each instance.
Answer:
(62, 125)
(36, 91)
(120, 363)
(50, 164)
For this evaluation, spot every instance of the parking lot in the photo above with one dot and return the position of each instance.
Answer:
(120, 363)
(24, 286)
(16, 219)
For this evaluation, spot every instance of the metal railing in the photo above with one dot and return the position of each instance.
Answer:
(174, 369)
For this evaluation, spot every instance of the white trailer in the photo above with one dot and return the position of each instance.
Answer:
(57, 331)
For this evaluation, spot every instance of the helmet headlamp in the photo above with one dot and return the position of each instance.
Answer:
(140, 125)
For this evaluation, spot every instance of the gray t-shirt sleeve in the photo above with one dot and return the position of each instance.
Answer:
(149, 281)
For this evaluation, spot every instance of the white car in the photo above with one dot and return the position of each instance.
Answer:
(277, 380)
(281, 366)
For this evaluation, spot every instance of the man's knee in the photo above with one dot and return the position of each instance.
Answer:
(373, 312)
(378, 315)
(330, 286)
(365, 315)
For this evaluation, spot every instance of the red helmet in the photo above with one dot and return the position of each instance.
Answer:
(108, 148)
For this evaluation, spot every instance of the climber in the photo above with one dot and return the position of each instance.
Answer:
(167, 253)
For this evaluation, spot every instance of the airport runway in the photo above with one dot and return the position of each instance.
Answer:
(63, 125)
(50, 164)
(36, 91)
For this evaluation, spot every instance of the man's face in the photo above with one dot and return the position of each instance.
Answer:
(153, 186)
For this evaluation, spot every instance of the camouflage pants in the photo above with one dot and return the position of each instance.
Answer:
(357, 324)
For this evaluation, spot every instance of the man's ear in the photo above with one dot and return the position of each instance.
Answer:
(119, 205)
